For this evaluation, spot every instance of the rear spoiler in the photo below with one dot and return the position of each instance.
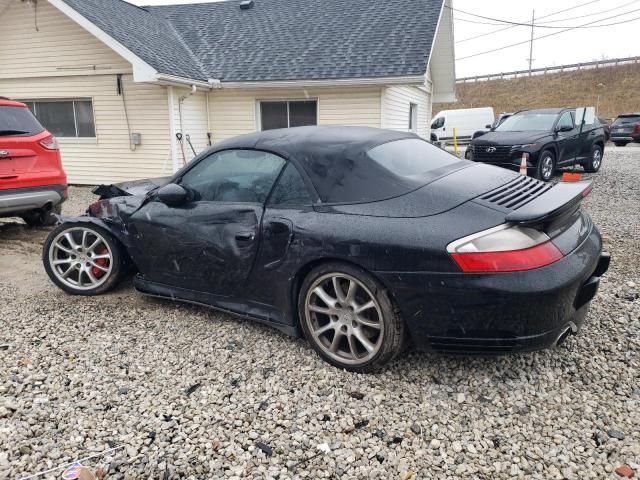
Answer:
(561, 199)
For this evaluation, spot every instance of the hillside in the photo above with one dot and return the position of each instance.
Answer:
(576, 88)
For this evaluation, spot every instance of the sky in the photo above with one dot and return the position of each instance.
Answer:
(580, 45)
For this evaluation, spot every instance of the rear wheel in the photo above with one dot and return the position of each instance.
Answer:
(546, 166)
(82, 259)
(349, 319)
(42, 218)
(595, 161)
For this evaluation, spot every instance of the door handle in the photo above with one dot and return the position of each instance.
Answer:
(245, 236)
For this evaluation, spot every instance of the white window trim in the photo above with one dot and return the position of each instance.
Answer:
(93, 139)
(280, 100)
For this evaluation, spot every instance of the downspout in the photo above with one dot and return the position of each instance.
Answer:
(172, 130)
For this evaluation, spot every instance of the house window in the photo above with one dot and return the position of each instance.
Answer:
(65, 118)
(413, 117)
(288, 114)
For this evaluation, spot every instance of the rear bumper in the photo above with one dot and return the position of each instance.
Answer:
(21, 200)
(500, 313)
(624, 138)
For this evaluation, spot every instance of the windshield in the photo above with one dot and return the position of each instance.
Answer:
(525, 122)
(18, 121)
(627, 120)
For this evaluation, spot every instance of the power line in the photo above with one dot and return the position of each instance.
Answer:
(537, 25)
(590, 14)
(580, 5)
(549, 35)
(559, 27)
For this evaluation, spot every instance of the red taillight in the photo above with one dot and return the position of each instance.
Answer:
(636, 128)
(506, 248)
(50, 143)
(510, 261)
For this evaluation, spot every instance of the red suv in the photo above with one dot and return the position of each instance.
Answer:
(33, 184)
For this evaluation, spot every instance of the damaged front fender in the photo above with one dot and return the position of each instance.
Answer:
(136, 187)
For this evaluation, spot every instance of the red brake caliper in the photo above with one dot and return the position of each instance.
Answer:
(103, 262)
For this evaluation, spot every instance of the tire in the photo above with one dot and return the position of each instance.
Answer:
(620, 144)
(546, 166)
(95, 259)
(595, 160)
(379, 325)
(42, 218)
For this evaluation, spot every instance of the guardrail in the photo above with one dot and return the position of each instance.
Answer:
(546, 70)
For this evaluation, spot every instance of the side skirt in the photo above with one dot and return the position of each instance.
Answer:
(259, 313)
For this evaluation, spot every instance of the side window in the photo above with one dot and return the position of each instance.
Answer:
(291, 189)
(566, 120)
(245, 176)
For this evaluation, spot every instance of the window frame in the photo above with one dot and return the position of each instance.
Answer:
(259, 103)
(571, 116)
(413, 117)
(73, 100)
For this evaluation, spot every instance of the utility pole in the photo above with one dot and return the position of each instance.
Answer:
(533, 21)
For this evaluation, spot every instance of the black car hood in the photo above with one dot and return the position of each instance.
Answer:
(510, 138)
(434, 198)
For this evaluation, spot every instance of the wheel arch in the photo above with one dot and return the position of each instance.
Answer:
(117, 234)
(308, 267)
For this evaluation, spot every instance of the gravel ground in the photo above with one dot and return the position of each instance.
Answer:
(193, 393)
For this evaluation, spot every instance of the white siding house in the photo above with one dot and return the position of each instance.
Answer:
(116, 107)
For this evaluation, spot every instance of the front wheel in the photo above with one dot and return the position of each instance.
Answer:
(82, 259)
(349, 319)
(546, 166)
(595, 160)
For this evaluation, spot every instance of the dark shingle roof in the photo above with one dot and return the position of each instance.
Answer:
(148, 36)
(276, 39)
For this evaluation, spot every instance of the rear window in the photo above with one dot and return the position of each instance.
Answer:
(17, 121)
(411, 157)
(627, 120)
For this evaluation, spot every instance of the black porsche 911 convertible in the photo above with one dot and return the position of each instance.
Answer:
(359, 239)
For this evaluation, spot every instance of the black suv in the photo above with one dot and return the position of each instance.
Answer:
(552, 137)
(626, 129)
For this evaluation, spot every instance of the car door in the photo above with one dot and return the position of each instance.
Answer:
(209, 243)
(568, 141)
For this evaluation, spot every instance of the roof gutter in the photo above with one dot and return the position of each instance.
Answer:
(175, 81)
(376, 81)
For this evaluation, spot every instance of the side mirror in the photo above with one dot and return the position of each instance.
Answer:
(172, 195)
(488, 126)
(564, 128)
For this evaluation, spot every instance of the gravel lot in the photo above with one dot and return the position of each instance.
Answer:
(190, 392)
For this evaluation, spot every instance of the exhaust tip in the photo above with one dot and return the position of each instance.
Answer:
(571, 328)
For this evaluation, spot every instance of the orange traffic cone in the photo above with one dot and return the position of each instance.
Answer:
(523, 164)
(571, 177)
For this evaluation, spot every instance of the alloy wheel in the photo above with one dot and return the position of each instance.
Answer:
(344, 318)
(547, 167)
(597, 159)
(81, 258)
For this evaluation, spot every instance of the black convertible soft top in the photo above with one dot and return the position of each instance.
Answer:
(336, 160)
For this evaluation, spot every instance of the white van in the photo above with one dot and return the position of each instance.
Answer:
(466, 121)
